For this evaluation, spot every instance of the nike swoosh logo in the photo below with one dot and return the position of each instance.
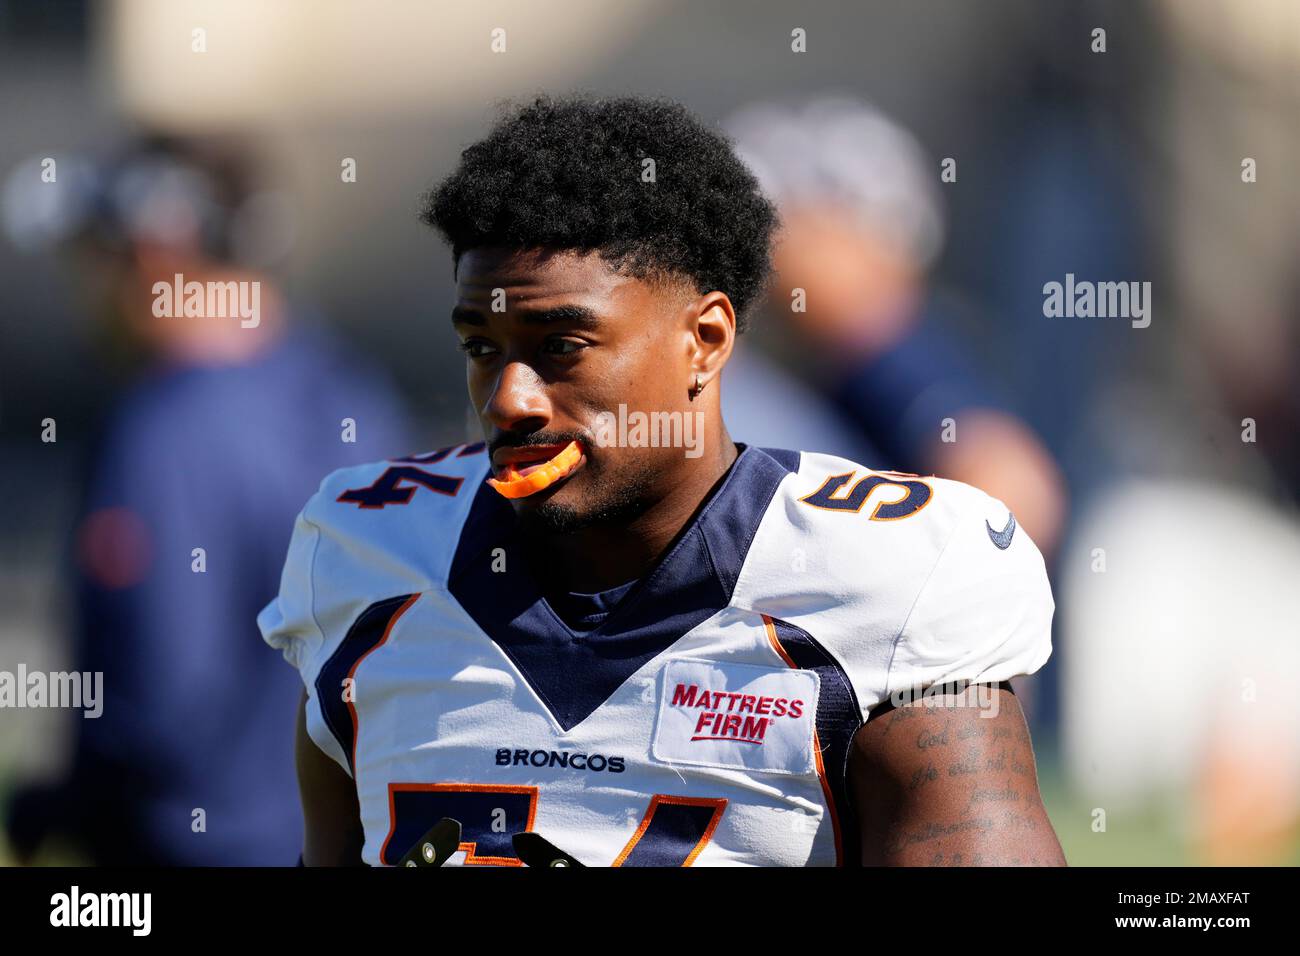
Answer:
(1002, 538)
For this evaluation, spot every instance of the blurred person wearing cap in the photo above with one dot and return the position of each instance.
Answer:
(862, 223)
(232, 416)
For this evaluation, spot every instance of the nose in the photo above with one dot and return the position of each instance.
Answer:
(518, 400)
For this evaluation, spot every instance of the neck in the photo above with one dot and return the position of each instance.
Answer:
(597, 558)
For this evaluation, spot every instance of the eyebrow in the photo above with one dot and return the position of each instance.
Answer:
(575, 315)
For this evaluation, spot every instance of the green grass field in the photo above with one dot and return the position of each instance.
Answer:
(1152, 836)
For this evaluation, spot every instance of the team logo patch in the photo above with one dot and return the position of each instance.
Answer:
(736, 715)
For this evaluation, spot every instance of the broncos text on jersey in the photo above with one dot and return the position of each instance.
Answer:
(707, 720)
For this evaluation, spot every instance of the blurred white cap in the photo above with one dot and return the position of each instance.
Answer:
(837, 150)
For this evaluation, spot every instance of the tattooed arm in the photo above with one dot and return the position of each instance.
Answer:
(950, 781)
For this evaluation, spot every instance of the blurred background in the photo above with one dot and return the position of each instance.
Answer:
(936, 163)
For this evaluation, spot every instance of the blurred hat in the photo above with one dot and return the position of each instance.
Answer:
(161, 190)
(842, 151)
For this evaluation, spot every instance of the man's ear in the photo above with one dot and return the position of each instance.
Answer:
(712, 321)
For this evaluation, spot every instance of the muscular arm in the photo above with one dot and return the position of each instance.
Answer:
(942, 782)
(331, 816)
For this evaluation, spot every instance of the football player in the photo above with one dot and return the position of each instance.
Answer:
(609, 626)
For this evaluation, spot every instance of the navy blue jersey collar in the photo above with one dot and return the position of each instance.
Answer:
(575, 672)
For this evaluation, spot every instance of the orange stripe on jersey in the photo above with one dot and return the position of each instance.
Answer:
(356, 726)
(817, 747)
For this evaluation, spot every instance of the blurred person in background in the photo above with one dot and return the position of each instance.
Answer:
(1185, 569)
(862, 223)
(226, 428)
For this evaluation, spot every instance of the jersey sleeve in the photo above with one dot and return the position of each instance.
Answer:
(288, 623)
(345, 557)
(350, 555)
(984, 613)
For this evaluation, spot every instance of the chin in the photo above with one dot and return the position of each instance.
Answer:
(571, 507)
(549, 518)
(553, 510)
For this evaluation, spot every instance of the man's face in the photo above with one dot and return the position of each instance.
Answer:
(552, 341)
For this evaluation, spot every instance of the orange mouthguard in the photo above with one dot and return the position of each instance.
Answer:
(515, 485)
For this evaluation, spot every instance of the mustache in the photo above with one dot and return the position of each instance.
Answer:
(533, 439)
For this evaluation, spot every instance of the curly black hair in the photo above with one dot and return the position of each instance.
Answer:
(567, 173)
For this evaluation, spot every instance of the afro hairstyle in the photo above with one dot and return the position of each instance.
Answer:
(567, 174)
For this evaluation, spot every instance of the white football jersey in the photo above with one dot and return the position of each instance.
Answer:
(706, 721)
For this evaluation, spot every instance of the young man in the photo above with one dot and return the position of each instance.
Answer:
(609, 625)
